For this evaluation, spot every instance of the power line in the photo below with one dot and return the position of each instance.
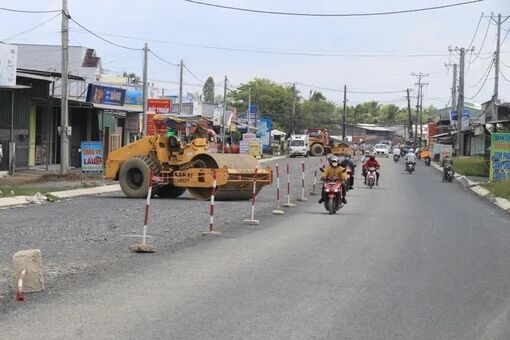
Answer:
(32, 28)
(483, 43)
(162, 59)
(341, 90)
(503, 75)
(481, 87)
(486, 73)
(476, 31)
(331, 14)
(29, 11)
(104, 39)
(506, 36)
(193, 75)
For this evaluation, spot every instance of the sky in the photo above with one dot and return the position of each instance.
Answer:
(367, 54)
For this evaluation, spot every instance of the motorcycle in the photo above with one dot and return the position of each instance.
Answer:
(410, 167)
(333, 191)
(371, 177)
(396, 158)
(448, 175)
(427, 161)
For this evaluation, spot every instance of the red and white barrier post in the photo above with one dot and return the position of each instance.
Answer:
(253, 221)
(144, 247)
(288, 204)
(20, 296)
(302, 198)
(277, 211)
(314, 180)
(212, 209)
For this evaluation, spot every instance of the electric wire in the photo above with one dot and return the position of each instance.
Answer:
(476, 31)
(32, 28)
(503, 75)
(487, 71)
(104, 39)
(483, 43)
(203, 3)
(481, 87)
(506, 36)
(163, 59)
(30, 11)
(193, 75)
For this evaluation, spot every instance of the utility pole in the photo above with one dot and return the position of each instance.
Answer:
(145, 89)
(64, 120)
(224, 133)
(496, 61)
(460, 105)
(460, 101)
(294, 109)
(345, 108)
(419, 105)
(410, 119)
(180, 85)
(249, 107)
(454, 88)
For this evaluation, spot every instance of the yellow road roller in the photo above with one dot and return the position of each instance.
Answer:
(176, 167)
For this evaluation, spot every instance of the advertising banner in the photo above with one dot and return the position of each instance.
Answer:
(92, 157)
(157, 106)
(465, 119)
(255, 148)
(106, 95)
(442, 150)
(264, 132)
(8, 64)
(244, 147)
(500, 157)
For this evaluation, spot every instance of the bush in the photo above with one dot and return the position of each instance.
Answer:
(471, 166)
(500, 189)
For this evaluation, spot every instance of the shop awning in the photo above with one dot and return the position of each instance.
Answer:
(276, 132)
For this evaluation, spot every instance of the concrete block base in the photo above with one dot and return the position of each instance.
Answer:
(31, 261)
(251, 222)
(278, 212)
(313, 193)
(211, 233)
(141, 248)
(302, 199)
(289, 205)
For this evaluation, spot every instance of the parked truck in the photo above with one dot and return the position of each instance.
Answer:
(299, 145)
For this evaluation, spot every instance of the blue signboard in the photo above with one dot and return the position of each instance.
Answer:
(454, 114)
(253, 111)
(92, 159)
(265, 126)
(134, 96)
(107, 95)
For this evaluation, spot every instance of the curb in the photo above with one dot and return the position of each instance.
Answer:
(9, 202)
(475, 187)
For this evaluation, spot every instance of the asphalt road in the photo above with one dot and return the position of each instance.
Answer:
(412, 259)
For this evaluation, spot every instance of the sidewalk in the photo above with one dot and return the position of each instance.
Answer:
(473, 183)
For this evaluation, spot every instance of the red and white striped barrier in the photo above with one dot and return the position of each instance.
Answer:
(144, 247)
(288, 204)
(302, 198)
(314, 180)
(20, 296)
(212, 209)
(253, 221)
(278, 211)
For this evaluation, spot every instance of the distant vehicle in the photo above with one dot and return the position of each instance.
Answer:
(382, 150)
(299, 145)
(320, 143)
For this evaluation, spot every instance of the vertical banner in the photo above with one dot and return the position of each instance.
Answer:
(500, 157)
(157, 106)
(92, 157)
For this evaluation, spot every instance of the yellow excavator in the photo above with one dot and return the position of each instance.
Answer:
(176, 167)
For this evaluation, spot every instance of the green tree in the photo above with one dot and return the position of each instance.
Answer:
(273, 100)
(208, 90)
(389, 113)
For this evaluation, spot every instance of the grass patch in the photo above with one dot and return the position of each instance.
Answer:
(471, 166)
(10, 192)
(500, 189)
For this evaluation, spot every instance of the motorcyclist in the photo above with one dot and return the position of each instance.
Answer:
(396, 151)
(447, 164)
(372, 163)
(348, 163)
(334, 170)
(410, 158)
